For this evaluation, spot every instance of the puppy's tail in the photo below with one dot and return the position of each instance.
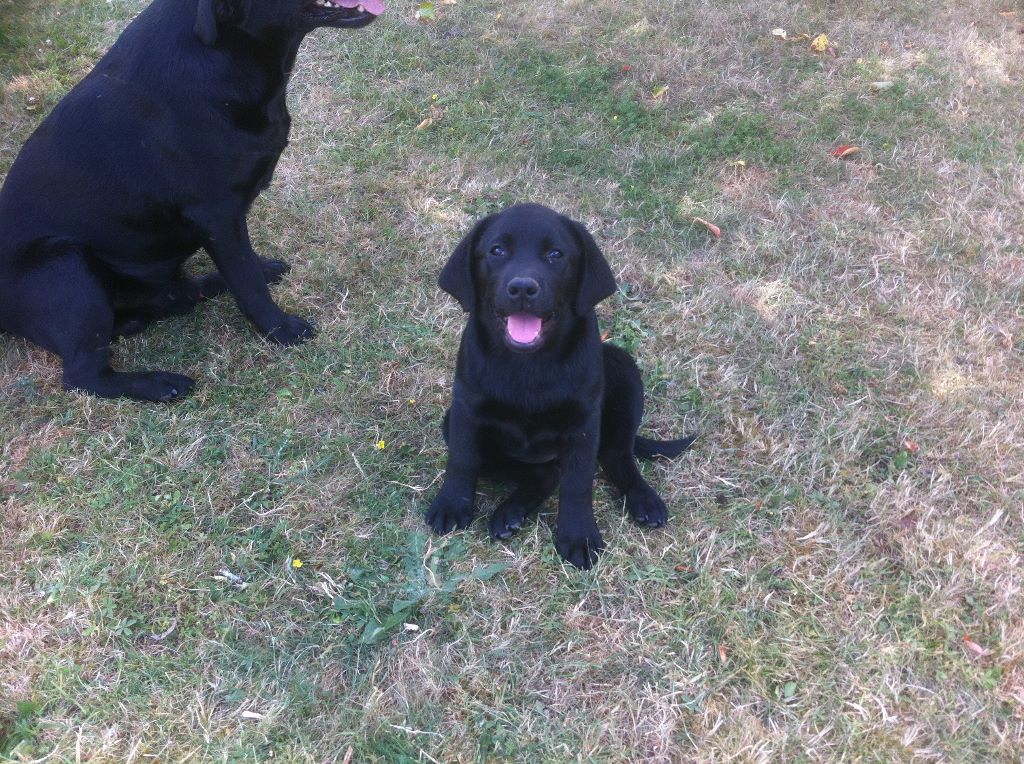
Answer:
(647, 448)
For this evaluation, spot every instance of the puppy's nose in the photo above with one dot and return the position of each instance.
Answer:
(522, 286)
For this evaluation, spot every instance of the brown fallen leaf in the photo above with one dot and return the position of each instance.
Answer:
(845, 151)
(723, 653)
(425, 123)
(975, 648)
(715, 230)
(911, 446)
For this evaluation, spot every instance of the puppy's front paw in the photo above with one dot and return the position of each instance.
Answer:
(291, 332)
(579, 544)
(445, 515)
(647, 508)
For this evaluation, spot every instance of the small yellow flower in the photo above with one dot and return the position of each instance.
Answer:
(296, 563)
(381, 445)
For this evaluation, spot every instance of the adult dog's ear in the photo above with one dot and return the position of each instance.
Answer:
(596, 280)
(206, 22)
(211, 13)
(456, 278)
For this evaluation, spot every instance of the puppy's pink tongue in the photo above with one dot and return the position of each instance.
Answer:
(523, 328)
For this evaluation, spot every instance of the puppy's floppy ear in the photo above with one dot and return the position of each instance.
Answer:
(456, 278)
(596, 280)
(206, 22)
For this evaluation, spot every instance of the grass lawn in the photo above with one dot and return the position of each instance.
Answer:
(246, 575)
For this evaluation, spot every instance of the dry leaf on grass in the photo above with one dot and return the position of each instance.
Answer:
(975, 648)
(715, 230)
(845, 151)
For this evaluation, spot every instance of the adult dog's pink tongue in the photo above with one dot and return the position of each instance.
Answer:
(376, 7)
(523, 328)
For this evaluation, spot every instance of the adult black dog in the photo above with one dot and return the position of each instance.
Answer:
(538, 399)
(160, 150)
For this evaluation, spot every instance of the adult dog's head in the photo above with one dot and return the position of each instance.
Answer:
(266, 18)
(527, 274)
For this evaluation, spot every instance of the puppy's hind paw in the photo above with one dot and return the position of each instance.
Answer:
(505, 521)
(445, 516)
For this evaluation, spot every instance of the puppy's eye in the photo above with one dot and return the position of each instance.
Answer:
(554, 254)
(497, 251)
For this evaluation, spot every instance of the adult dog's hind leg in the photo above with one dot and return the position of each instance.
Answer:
(60, 304)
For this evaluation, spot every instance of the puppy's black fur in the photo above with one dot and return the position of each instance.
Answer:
(538, 399)
(158, 151)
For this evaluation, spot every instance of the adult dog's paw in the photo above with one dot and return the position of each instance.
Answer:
(163, 386)
(273, 270)
(579, 544)
(445, 515)
(292, 332)
(153, 386)
(647, 508)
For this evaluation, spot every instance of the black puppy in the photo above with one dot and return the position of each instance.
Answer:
(160, 150)
(538, 399)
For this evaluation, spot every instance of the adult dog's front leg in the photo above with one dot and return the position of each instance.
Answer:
(454, 505)
(576, 536)
(227, 241)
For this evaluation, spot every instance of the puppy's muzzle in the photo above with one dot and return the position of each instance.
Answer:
(521, 286)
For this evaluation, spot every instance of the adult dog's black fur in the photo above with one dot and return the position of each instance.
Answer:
(538, 399)
(158, 151)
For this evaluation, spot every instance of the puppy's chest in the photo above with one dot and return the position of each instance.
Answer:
(530, 436)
